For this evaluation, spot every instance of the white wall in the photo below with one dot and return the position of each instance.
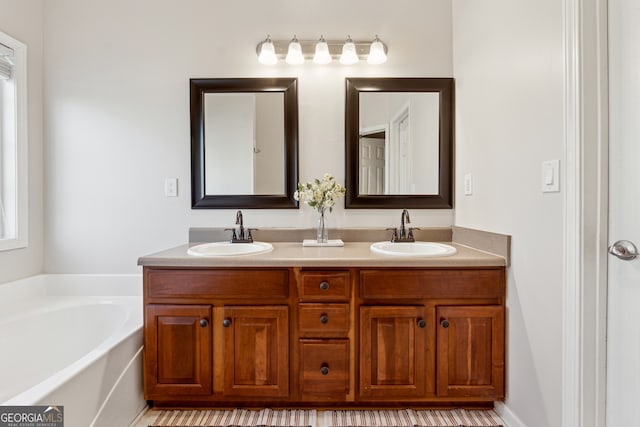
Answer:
(117, 112)
(22, 20)
(509, 118)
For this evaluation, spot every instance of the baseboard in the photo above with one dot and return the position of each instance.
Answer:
(510, 419)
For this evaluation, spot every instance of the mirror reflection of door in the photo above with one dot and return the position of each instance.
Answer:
(244, 149)
(372, 161)
(412, 142)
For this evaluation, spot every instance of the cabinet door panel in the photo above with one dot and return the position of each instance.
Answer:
(470, 351)
(392, 349)
(178, 350)
(256, 358)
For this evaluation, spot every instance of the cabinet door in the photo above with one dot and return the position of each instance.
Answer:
(256, 356)
(470, 361)
(177, 350)
(392, 352)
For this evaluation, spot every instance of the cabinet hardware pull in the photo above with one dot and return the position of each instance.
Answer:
(226, 323)
(422, 323)
(204, 323)
(324, 285)
(324, 369)
(444, 323)
(324, 318)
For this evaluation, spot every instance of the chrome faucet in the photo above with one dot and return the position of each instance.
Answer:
(405, 234)
(239, 236)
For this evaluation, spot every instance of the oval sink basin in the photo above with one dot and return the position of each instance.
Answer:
(229, 249)
(413, 249)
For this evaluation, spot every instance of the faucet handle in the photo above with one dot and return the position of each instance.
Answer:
(410, 235)
(233, 233)
(394, 233)
(249, 236)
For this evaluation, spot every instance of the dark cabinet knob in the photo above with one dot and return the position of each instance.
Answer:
(444, 323)
(422, 323)
(204, 323)
(226, 323)
(324, 319)
(324, 369)
(324, 285)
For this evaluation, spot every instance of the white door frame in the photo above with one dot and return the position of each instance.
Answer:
(585, 213)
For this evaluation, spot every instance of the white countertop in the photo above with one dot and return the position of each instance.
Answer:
(293, 254)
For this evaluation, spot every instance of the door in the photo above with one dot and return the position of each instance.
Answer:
(372, 163)
(393, 352)
(623, 315)
(256, 356)
(177, 350)
(470, 361)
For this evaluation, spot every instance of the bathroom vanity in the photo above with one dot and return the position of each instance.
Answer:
(339, 327)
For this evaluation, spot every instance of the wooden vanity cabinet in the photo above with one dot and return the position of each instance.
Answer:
(216, 335)
(432, 334)
(291, 336)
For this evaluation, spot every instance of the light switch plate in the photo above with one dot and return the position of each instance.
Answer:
(171, 187)
(468, 184)
(550, 176)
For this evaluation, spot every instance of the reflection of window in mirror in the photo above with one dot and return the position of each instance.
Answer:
(244, 149)
(399, 143)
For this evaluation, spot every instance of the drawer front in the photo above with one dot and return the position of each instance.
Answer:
(324, 369)
(222, 283)
(410, 284)
(324, 286)
(323, 320)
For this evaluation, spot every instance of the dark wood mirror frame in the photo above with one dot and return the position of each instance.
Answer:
(200, 87)
(444, 198)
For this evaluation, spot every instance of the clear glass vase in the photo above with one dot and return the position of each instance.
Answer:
(322, 233)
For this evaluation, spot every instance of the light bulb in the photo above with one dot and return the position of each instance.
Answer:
(349, 55)
(322, 55)
(376, 52)
(294, 54)
(267, 54)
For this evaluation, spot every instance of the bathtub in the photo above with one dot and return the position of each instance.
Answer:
(75, 341)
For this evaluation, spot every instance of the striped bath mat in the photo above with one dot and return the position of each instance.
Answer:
(237, 418)
(302, 418)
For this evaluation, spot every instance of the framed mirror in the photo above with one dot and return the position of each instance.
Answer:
(244, 143)
(399, 143)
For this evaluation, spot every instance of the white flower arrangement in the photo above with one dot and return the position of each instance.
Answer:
(320, 194)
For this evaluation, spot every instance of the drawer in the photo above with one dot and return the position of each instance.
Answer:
(324, 369)
(436, 283)
(217, 283)
(323, 320)
(324, 286)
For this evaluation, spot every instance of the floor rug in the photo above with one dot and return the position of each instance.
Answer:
(302, 418)
(236, 418)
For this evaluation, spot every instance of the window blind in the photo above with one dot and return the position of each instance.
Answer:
(6, 62)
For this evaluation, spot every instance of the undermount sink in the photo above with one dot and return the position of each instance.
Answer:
(214, 249)
(413, 249)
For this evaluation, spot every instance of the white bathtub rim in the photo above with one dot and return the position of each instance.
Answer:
(26, 297)
(38, 391)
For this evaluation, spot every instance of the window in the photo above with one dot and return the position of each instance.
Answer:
(13, 143)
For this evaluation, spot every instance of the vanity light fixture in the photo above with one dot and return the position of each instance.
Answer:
(294, 53)
(267, 52)
(377, 54)
(349, 55)
(321, 51)
(322, 55)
